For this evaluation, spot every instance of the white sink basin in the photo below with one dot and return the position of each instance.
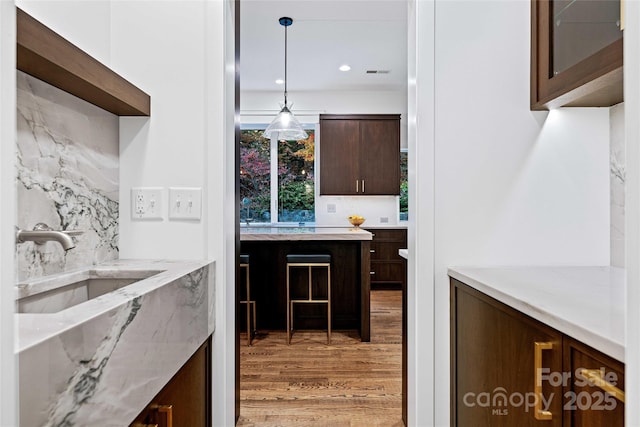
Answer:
(59, 293)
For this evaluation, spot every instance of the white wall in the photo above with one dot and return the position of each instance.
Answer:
(421, 384)
(8, 370)
(87, 24)
(176, 51)
(512, 187)
(166, 57)
(632, 208)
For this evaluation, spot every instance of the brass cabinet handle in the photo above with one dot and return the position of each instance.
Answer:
(537, 362)
(595, 377)
(167, 410)
(357, 185)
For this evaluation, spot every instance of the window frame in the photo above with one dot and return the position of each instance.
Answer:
(273, 174)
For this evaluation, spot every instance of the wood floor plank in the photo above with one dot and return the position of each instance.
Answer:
(309, 383)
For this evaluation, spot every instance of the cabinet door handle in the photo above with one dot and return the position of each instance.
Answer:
(539, 413)
(357, 185)
(363, 185)
(373, 251)
(372, 273)
(167, 410)
(596, 377)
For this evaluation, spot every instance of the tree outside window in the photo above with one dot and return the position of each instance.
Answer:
(293, 180)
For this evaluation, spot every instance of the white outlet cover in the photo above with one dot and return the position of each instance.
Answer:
(147, 203)
(185, 203)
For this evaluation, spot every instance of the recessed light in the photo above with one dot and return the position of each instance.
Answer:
(279, 81)
(344, 67)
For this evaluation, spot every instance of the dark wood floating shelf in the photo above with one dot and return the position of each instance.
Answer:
(44, 54)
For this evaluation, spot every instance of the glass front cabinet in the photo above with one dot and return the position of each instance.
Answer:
(576, 53)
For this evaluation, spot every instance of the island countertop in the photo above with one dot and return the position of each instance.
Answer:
(258, 233)
(586, 303)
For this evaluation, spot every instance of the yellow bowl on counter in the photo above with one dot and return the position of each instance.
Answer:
(356, 220)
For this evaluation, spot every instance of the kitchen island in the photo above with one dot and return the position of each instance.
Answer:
(350, 283)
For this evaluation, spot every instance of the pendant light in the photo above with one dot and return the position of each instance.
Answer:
(285, 126)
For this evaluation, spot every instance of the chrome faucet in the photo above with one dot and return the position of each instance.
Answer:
(42, 233)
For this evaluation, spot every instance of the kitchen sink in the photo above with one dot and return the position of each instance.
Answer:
(51, 295)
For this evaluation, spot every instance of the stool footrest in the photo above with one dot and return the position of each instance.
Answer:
(308, 259)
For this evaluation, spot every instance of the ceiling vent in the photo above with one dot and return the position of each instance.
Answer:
(378, 71)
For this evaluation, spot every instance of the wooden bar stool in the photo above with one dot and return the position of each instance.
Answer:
(244, 263)
(309, 261)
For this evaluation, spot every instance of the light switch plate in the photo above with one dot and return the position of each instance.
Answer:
(185, 203)
(146, 203)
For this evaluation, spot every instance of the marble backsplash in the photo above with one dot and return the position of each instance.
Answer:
(67, 177)
(617, 184)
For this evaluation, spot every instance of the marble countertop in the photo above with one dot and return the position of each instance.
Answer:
(404, 253)
(32, 330)
(100, 361)
(303, 233)
(586, 303)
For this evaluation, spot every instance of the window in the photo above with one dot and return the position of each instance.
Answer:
(404, 186)
(276, 179)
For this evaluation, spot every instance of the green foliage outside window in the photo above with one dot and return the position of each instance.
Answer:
(295, 178)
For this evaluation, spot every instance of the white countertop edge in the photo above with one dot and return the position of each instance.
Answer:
(606, 345)
(62, 321)
(301, 233)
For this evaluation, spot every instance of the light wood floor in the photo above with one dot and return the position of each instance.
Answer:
(309, 383)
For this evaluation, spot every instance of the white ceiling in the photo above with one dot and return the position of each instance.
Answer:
(366, 34)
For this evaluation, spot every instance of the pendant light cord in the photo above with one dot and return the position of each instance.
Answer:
(285, 65)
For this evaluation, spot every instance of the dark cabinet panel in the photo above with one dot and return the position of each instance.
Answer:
(360, 154)
(586, 404)
(339, 154)
(494, 363)
(576, 53)
(186, 399)
(349, 287)
(380, 156)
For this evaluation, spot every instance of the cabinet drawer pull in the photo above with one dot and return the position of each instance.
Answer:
(595, 377)
(537, 362)
(372, 273)
(167, 410)
(357, 185)
(373, 251)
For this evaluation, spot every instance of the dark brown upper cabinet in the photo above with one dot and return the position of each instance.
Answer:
(44, 54)
(360, 154)
(576, 53)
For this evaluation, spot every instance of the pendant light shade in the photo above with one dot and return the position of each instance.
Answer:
(285, 126)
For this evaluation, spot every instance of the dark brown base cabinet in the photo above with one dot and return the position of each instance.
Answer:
(499, 358)
(186, 399)
(388, 269)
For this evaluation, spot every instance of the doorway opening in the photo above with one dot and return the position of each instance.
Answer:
(369, 87)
